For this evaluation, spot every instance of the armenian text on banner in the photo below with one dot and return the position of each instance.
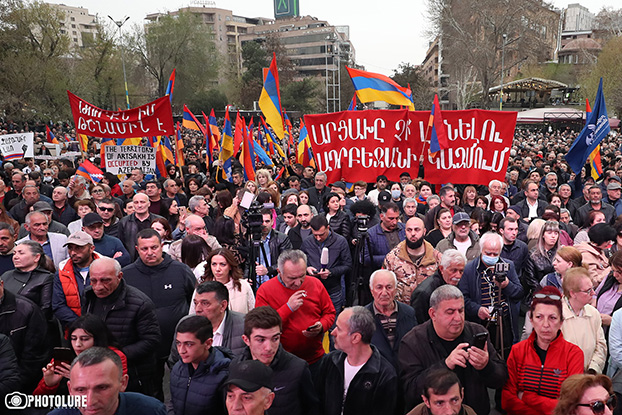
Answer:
(152, 119)
(123, 159)
(16, 146)
(361, 145)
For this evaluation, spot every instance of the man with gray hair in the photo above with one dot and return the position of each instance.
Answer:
(194, 226)
(97, 374)
(130, 316)
(37, 227)
(393, 318)
(303, 304)
(355, 378)
(449, 271)
(550, 185)
(490, 295)
(77, 189)
(317, 192)
(199, 206)
(446, 341)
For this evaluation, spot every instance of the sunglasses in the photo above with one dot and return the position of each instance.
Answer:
(104, 209)
(551, 296)
(598, 407)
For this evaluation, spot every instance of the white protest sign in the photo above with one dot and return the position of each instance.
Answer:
(123, 159)
(16, 146)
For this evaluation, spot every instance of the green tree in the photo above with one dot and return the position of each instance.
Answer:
(182, 42)
(302, 96)
(408, 74)
(608, 68)
(33, 64)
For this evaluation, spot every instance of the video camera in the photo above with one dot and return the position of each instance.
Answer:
(361, 223)
(252, 219)
(501, 271)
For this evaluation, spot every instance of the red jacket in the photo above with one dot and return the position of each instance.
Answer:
(317, 306)
(540, 384)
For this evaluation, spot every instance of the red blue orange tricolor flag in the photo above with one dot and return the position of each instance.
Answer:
(190, 121)
(49, 136)
(371, 87)
(436, 128)
(170, 86)
(270, 99)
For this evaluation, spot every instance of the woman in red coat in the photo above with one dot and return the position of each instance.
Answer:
(538, 366)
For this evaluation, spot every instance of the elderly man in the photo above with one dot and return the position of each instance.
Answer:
(410, 209)
(412, 260)
(316, 193)
(384, 236)
(373, 389)
(53, 226)
(549, 187)
(303, 304)
(168, 283)
(199, 206)
(461, 238)
(249, 388)
(495, 188)
(445, 341)
(97, 374)
(130, 316)
(294, 391)
(131, 225)
(53, 244)
(595, 203)
(63, 212)
(393, 318)
(77, 189)
(18, 181)
(449, 271)
(485, 291)
(194, 226)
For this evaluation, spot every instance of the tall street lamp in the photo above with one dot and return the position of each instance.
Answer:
(505, 36)
(119, 24)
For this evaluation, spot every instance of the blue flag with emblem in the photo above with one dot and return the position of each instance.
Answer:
(595, 130)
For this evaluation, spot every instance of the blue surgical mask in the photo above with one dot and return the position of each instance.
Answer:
(395, 194)
(489, 260)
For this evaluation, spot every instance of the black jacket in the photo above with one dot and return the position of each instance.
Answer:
(317, 196)
(517, 253)
(341, 225)
(66, 215)
(339, 258)
(35, 285)
(405, 322)
(422, 349)
(128, 229)
(295, 237)
(197, 392)
(420, 298)
(536, 267)
(293, 386)
(279, 243)
(23, 322)
(524, 209)
(9, 381)
(373, 391)
(130, 316)
(169, 285)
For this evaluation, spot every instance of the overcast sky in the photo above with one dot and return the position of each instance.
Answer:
(384, 33)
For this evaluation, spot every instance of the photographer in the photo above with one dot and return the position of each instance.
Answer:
(489, 295)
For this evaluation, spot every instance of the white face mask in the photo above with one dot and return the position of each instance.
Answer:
(48, 179)
(395, 194)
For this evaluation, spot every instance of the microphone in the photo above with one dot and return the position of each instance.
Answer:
(324, 258)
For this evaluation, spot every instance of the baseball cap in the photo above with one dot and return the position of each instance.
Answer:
(384, 197)
(614, 186)
(250, 375)
(79, 238)
(461, 217)
(41, 206)
(91, 219)
(616, 178)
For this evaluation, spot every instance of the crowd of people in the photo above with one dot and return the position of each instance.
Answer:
(151, 294)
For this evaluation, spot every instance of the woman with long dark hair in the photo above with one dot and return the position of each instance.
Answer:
(170, 211)
(194, 252)
(222, 267)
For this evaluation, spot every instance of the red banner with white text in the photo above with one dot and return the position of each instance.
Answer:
(361, 145)
(152, 119)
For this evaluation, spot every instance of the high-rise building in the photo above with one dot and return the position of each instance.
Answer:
(79, 25)
(577, 18)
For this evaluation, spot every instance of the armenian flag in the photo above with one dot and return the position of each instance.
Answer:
(170, 86)
(376, 87)
(226, 155)
(438, 133)
(262, 155)
(102, 149)
(190, 121)
(273, 146)
(134, 141)
(305, 156)
(213, 127)
(83, 140)
(352, 106)
(50, 138)
(90, 172)
(238, 136)
(270, 99)
(179, 147)
(247, 158)
(167, 150)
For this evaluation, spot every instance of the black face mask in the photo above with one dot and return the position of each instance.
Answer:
(414, 245)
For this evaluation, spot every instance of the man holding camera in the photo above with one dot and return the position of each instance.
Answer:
(492, 291)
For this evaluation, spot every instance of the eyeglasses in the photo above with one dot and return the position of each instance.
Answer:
(105, 209)
(588, 291)
(598, 407)
(97, 191)
(541, 296)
